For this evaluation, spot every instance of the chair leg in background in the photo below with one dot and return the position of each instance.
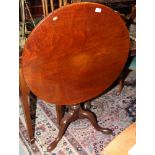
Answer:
(120, 85)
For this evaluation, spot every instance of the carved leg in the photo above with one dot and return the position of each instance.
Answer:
(60, 112)
(67, 119)
(91, 117)
(74, 113)
(25, 104)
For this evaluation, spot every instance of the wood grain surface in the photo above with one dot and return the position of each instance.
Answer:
(122, 143)
(75, 53)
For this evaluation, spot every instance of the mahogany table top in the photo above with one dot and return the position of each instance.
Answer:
(75, 53)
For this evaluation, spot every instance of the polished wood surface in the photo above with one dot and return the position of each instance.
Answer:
(122, 143)
(75, 53)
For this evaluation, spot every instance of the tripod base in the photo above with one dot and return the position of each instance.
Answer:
(75, 112)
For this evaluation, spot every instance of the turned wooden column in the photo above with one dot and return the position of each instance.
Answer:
(75, 112)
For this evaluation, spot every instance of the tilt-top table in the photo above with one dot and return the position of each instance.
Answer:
(74, 55)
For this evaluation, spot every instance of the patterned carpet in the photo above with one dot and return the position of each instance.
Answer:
(81, 138)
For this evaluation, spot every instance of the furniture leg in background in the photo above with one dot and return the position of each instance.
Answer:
(131, 66)
(45, 7)
(24, 91)
(52, 5)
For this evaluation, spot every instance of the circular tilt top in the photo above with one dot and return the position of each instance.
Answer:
(75, 53)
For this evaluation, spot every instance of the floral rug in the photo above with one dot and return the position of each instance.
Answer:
(81, 138)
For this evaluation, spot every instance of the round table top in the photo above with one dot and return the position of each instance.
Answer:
(75, 53)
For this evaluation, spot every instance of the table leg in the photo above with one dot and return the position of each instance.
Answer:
(72, 115)
(24, 91)
(92, 118)
(75, 112)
